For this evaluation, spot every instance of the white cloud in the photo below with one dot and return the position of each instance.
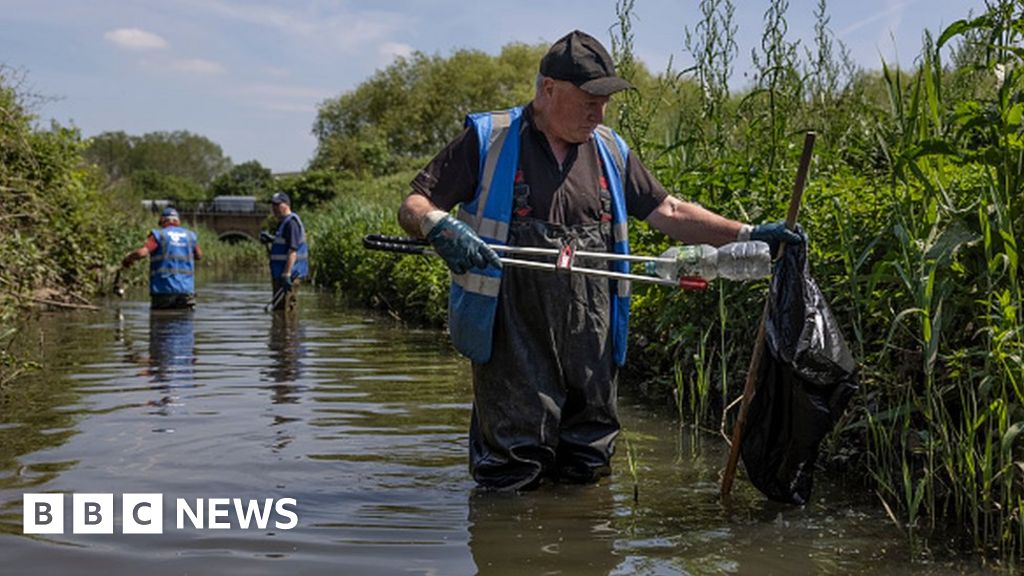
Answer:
(391, 50)
(892, 14)
(135, 39)
(198, 66)
(282, 97)
(318, 24)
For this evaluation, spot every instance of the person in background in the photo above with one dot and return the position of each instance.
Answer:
(546, 347)
(172, 251)
(289, 254)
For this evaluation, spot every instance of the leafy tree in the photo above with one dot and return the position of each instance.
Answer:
(311, 188)
(247, 179)
(58, 230)
(112, 151)
(154, 185)
(414, 106)
(180, 154)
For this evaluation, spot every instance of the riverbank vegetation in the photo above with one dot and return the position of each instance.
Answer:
(913, 211)
(64, 227)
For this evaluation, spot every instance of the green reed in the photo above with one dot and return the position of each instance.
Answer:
(914, 217)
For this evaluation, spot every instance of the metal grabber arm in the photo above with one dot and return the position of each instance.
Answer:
(565, 258)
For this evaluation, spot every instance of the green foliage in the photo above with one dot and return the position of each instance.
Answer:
(60, 234)
(223, 255)
(913, 211)
(246, 179)
(414, 106)
(914, 216)
(311, 188)
(412, 287)
(151, 184)
(180, 154)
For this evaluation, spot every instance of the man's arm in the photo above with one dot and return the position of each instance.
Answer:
(134, 256)
(293, 255)
(140, 253)
(197, 253)
(693, 224)
(410, 215)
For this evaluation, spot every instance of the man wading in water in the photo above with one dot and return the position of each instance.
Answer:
(546, 347)
(172, 251)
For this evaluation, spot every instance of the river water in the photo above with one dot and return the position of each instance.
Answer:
(363, 423)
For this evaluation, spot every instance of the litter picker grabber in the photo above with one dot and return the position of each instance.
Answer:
(564, 260)
(118, 285)
(275, 300)
(749, 388)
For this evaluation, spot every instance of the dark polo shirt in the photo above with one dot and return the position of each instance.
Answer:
(568, 195)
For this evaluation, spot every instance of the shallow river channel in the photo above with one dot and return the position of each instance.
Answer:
(347, 431)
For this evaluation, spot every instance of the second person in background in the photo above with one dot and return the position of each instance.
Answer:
(289, 254)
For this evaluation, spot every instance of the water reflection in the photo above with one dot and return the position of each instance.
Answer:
(172, 358)
(364, 423)
(543, 532)
(285, 346)
(172, 343)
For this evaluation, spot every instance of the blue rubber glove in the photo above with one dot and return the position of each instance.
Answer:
(286, 282)
(775, 232)
(460, 247)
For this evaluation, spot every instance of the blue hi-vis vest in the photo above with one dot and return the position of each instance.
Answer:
(171, 265)
(473, 298)
(279, 251)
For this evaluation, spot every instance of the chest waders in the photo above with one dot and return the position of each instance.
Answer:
(544, 404)
(281, 298)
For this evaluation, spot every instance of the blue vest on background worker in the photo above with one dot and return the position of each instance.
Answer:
(473, 297)
(172, 264)
(279, 250)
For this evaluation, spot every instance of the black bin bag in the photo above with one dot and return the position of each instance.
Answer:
(806, 378)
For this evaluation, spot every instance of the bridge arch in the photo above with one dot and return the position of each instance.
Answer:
(233, 236)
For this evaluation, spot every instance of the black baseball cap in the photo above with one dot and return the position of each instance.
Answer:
(280, 198)
(579, 58)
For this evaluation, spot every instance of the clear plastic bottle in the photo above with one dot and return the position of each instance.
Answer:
(745, 260)
(736, 261)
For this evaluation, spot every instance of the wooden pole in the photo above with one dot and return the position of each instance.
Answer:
(749, 387)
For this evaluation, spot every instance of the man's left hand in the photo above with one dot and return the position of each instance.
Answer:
(776, 232)
(286, 282)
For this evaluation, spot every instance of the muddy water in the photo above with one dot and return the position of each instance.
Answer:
(363, 423)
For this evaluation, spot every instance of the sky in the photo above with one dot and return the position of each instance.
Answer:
(249, 75)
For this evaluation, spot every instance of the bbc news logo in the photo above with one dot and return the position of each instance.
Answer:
(144, 513)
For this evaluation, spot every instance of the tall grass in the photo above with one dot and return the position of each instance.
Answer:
(913, 212)
(914, 215)
(411, 287)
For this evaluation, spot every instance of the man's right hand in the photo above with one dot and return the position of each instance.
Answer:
(460, 247)
(266, 237)
(286, 282)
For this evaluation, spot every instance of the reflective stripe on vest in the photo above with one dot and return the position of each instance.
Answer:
(279, 250)
(172, 265)
(614, 153)
(473, 297)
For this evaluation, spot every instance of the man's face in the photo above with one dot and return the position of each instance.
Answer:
(574, 113)
(278, 209)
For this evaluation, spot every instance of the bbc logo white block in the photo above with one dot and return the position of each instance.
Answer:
(43, 514)
(92, 514)
(142, 513)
